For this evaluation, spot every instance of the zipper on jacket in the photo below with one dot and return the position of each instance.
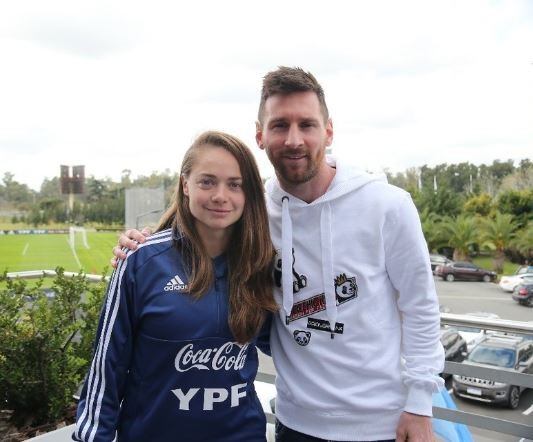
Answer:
(217, 294)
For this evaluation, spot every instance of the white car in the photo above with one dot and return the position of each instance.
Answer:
(508, 283)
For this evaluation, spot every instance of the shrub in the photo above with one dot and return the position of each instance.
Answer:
(478, 205)
(44, 344)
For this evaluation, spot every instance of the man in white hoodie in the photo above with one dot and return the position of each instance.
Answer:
(356, 341)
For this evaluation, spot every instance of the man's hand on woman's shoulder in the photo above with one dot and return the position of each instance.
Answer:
(129, 239)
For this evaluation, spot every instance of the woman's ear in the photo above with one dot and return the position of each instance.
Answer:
(185, 185)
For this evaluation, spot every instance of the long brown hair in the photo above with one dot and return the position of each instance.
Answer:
(250, 251)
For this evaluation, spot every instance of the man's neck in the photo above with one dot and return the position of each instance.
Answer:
(314, 188)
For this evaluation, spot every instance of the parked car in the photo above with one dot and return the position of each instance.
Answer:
(437, 260)
(465, 271)
(474, 335)
(523, 293)
(509, 282)
(524, 269)
(455, 348)
(48, 292)
(510, 353)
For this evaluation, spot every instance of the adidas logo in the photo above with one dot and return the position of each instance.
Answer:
(176, 284)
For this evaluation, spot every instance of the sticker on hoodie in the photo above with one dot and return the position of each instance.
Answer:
(307, 307)
(323, 325)
(345, 288)
(302, 337)
(298, 281)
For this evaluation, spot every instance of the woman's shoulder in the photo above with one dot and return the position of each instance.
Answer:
(158, 243)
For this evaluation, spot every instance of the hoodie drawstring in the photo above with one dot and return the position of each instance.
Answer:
(327, 266)
(287, 259)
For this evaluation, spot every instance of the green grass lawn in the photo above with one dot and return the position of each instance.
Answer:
(41, 252)
(486, 262)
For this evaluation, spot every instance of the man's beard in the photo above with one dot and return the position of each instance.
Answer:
(300, 177)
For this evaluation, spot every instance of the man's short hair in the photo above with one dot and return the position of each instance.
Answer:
(285, 81)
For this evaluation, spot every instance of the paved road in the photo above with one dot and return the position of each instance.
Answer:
(466, 297)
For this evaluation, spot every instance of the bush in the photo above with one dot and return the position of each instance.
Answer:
(518, 203)
(45, 344)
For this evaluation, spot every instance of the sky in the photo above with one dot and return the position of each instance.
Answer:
(118, 85)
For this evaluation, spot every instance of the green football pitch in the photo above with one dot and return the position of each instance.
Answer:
(46, 252)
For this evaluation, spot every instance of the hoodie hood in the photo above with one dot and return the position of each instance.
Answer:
(347, 179)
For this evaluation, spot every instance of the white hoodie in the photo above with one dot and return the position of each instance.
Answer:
(356, 257)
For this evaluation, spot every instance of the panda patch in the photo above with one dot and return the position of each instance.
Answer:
(298, 281)
(302, 337)
(345, 288)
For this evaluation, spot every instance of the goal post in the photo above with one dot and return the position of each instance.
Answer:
(75, 232)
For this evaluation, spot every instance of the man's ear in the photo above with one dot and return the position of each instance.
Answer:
(329, 132)
(259, 134)
(185, 185)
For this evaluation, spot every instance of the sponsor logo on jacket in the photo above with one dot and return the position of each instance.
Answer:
(176, 284)
(229, 356)
(211, 396)
(226, 357)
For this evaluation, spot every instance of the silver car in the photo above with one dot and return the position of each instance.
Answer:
(510, 353)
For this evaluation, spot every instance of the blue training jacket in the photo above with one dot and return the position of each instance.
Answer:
(166, 367)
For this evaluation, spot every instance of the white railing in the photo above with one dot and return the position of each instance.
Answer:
(35, 274)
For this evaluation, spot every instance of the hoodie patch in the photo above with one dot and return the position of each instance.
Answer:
(308, 307)
(302, 337)
(299, 281)
(323, 325)
(345, 288)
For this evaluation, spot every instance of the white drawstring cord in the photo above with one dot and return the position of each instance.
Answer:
(327, 267)
(286, 258)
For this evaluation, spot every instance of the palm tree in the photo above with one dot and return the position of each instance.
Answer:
(430, 226)
(523, 241)
(461, 234)
(497, 234)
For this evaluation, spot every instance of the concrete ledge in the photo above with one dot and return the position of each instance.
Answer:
(61, 435)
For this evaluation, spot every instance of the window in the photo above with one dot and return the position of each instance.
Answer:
(528, 352)
(453, 338)
(500, 357)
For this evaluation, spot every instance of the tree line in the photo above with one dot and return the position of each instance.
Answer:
(103, 201)
(466, 208)
(463, 207)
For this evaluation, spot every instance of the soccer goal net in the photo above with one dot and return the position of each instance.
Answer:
(78, 234)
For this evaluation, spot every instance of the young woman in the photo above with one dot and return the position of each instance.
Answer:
(175, 357)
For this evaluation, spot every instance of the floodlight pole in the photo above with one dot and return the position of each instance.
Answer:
(72, 184)
(70, 203)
